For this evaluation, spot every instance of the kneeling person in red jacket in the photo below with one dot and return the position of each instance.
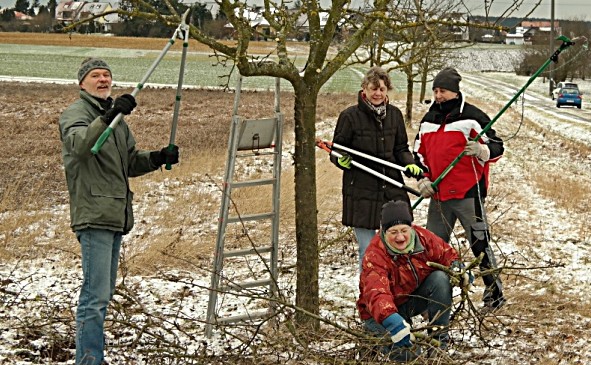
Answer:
(396, 283)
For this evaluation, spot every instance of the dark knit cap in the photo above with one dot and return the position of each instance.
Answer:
(395, 212)
(90, 64)
(448, 79)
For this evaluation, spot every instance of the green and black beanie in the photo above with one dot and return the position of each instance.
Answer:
(90, 64)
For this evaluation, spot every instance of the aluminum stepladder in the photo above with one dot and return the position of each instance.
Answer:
(253, 138)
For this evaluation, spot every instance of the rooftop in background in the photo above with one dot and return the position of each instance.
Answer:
(573, 9)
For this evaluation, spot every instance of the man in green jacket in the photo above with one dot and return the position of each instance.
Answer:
(100, 196)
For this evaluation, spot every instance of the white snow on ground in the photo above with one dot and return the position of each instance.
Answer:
(557, 231)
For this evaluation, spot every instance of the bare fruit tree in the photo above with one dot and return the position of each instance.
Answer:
(322, 27)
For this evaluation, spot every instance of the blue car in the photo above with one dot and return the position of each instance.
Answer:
(568, 96)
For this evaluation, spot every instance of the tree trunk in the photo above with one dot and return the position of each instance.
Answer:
(409, 96)
(307, 291)
(424, 74)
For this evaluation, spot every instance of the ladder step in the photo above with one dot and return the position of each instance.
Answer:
(247, 284)
(243, 317)
(251, 217)
(248, 251)
(255, 153)
(241, 184)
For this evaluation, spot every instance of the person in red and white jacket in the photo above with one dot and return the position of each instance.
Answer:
(396, 283)
(446, 131)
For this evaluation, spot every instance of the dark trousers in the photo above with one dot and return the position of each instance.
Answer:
(441, 219)
(434, 296)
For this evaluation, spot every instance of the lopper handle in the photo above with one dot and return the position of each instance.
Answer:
(170, 148)
(101, 141)
(411, 190)
(324, 145)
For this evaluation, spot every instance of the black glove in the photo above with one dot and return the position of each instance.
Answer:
(123, 104)
(165, 156)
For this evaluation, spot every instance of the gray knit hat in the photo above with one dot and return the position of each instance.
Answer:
(90, 64)
(448, 79)
(395, 212)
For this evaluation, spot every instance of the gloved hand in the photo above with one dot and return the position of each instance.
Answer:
(345, 161)
(463, 279)
(425, 188)
(123, 104)
(165, 156)
(399, 329)
(477, 149)
(413, 170)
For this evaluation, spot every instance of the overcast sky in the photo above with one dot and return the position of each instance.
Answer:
(563, 9)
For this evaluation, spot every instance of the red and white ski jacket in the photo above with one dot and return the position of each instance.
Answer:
(387, 279)
(442, 137)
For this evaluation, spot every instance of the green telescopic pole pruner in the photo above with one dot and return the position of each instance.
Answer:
(184, 27)
(103, 137)
(566, 42)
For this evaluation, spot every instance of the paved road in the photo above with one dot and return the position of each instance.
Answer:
(538, 102)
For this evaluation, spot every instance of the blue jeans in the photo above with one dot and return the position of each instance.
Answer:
(100, 259)
(363, 236)
(434, 296)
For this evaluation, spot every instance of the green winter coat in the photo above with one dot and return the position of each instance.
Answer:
(100, 196)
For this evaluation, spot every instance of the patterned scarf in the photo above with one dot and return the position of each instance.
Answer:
(380, 110)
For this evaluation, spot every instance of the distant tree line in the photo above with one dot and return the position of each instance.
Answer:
(41, 21)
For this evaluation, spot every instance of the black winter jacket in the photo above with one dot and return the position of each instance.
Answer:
(364, 194)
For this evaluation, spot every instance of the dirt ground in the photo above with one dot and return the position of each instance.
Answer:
(30, 157)
(101, 41)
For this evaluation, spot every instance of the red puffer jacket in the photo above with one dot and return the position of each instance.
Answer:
(388, 278)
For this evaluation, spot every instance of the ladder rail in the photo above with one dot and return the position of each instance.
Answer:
(222, 222)
(276, 206)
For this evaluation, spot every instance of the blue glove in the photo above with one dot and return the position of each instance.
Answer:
(345, 161)
(399, 329)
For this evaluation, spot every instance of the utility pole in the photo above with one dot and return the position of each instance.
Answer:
(552, 36)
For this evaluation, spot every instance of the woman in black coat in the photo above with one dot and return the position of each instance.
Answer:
(376, 128)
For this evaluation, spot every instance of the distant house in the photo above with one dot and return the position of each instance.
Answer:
(68, 12)
(514, 38)
(540, 24)
(533, 32)
(105, 22)
(21, 16)
(261, 27)
(303, 25)
(540, 31)
(460, 32)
